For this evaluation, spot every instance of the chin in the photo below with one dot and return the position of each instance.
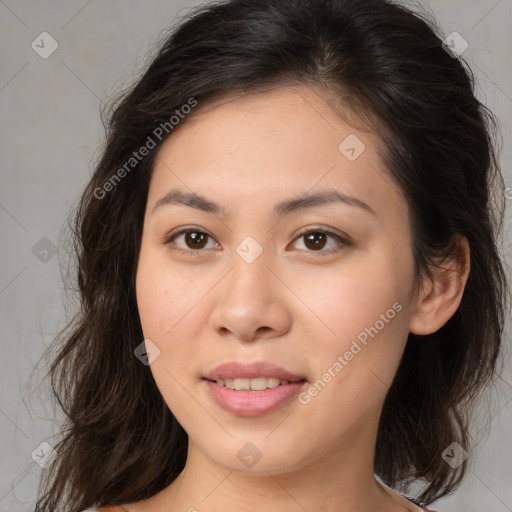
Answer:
(257, 454)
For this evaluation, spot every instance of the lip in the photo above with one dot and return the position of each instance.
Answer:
(249, 402)
(253, 403)
(234, 370)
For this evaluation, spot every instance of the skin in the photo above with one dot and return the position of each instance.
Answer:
(291, 306)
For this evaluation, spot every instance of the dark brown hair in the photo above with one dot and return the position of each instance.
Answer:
(119, 442)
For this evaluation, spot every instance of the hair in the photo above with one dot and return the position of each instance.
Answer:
(384, 64)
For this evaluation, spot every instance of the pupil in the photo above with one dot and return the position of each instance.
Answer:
(313, 238)
(194, 237)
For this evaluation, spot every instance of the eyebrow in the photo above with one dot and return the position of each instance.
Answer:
(304, 202)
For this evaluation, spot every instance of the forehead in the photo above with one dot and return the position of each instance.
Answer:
(282, 115)
(284, 142)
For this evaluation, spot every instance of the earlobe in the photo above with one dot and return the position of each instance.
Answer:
(442, 293)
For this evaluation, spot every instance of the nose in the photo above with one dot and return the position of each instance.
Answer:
(251, 302)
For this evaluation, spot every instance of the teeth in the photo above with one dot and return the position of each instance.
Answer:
(257, 384)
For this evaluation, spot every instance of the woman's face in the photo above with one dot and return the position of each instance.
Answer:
(239, 282)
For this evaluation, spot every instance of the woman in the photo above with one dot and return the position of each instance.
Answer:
(289, 271)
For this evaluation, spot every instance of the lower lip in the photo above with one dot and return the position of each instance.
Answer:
(253, 403)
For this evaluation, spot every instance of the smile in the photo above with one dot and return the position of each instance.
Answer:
(252, 402)
(256, 384)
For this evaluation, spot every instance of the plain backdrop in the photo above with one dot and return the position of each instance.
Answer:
(51, 136)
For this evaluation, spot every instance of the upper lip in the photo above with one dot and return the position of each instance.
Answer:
(237, 370)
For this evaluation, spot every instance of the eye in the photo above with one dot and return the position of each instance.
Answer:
(194, 240)
(315, 240)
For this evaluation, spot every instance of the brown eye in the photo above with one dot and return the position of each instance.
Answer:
(193, 240)
(317, 241)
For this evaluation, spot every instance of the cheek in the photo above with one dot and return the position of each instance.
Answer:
(165, 295)
(164, 309)
(152, 300)
(172, 310)
(346, 301)
(364, 319)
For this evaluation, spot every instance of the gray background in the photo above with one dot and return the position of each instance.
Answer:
(51, 135)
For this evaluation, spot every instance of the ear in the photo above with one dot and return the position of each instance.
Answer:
(440, 295)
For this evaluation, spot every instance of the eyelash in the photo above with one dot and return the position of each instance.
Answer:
(342, 242)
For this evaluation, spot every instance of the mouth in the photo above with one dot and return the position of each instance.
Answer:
(252, 389)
